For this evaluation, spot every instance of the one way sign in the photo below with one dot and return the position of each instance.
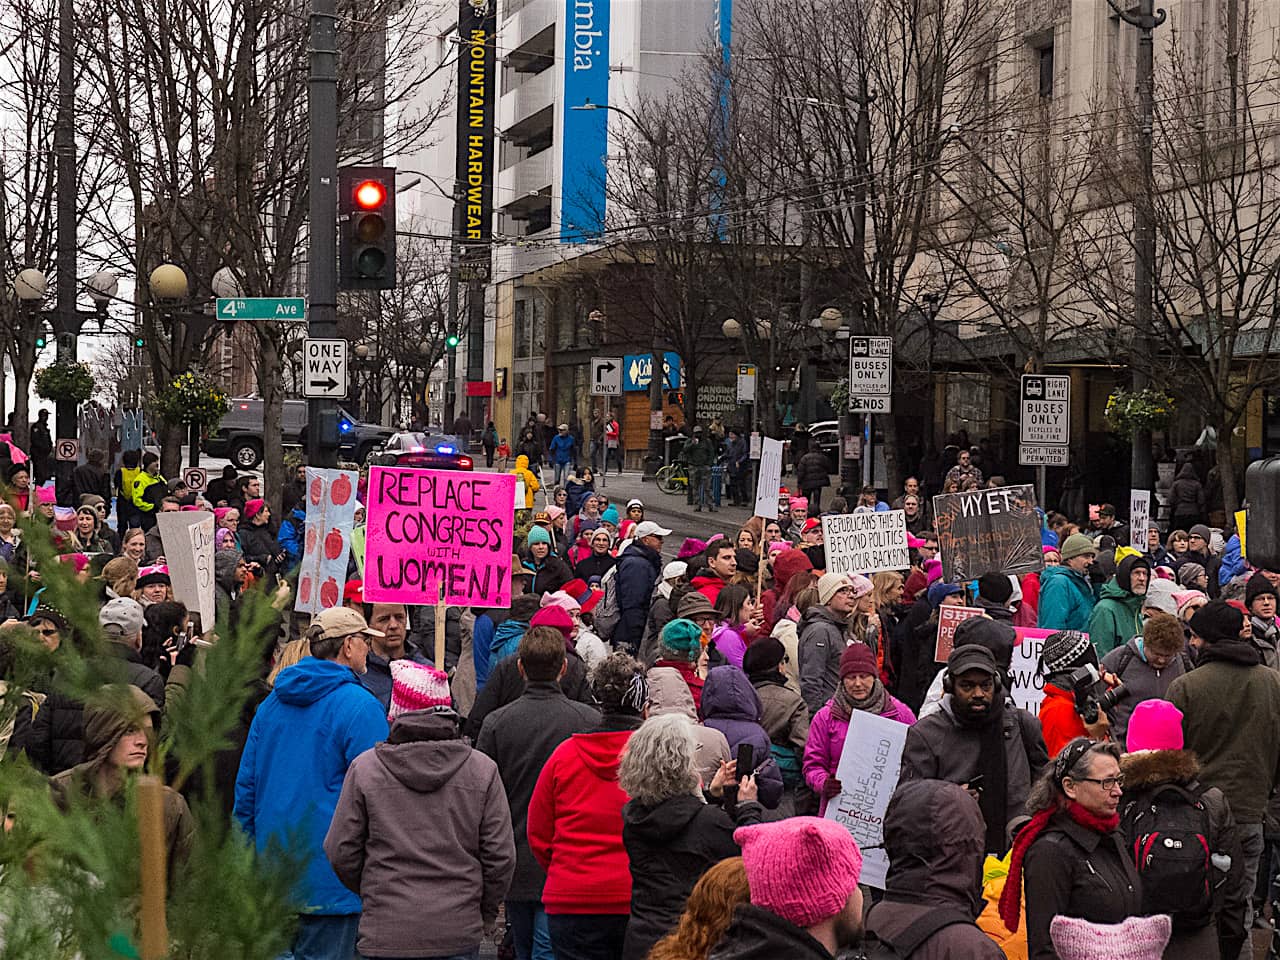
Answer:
(606, 376)
(324, 368)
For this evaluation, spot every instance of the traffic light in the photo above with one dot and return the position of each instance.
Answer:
(42, 339)
(139, 340)
(367, 228)
(452, 340)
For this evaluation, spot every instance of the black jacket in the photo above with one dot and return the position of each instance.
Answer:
(812, 471)
(89, 479)
(553, 574)
(124, 665)
(1077, 872)
(505, 685)
(757, 934)
(594, 565)
(671, 845)
(258, 544)
(638, 570)
(520, 739)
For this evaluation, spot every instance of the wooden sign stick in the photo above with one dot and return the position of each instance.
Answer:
(440, 617)
(155, 930)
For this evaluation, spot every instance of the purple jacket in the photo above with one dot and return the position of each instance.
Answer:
(731, 642)
(731, 705)
(827, 734)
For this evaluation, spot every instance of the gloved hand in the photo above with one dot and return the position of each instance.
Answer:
(187, 655)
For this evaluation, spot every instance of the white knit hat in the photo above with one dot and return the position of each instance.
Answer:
(418, 686)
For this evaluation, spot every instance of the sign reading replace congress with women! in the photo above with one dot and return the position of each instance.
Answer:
(429, 528)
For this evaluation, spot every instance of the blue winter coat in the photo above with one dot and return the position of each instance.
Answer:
(638, 570)
(303, 737)
(1066, 599)
(481, 648)
(731, 705)
(291, 536)
(506, 640)
(562, 449)
(1233, 564)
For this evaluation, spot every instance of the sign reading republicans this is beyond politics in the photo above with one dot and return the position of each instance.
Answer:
(432, 527)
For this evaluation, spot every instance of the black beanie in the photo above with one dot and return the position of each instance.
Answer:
(995, 587)
(748, 562)
(1258, 586)
(1217, 620)
(763, 656)
(1000, 638)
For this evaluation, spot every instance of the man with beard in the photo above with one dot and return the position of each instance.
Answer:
(992, 749)
(1117, 617)
(805, 903)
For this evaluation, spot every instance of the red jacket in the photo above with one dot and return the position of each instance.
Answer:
(575, 826)
(709, 585)
(1058, 719)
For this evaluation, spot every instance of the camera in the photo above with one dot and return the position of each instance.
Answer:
(1092, 694)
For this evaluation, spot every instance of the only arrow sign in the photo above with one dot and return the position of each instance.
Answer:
(603, 369)
(330, 384)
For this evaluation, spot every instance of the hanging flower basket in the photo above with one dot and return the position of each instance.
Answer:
(840, 396)
(65, 380)
(191, 398)
(1129, 411)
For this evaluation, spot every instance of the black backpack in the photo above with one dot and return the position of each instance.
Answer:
(1168, 833)
(911, 939)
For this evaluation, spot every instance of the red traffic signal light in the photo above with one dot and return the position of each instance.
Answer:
(367, 228)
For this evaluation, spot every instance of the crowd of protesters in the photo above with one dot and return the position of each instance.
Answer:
(639, 756)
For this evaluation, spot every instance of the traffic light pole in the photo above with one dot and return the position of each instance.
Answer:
(64, 148)
(322, 259)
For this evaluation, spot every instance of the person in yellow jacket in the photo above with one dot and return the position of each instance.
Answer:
(149, 488)
(531, 485)
(995, 872)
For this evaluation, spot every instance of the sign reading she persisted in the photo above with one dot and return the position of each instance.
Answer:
(433, 528)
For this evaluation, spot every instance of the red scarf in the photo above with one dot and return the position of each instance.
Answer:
(1011, 896)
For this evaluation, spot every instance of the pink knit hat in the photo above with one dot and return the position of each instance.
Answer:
(1184, 597)
(1138, 938)
(933, 569)
(46, 495)
(861, 585)
(1154, 725)
(553, 616)
(417, 686)
(798, 503)
(802, 869)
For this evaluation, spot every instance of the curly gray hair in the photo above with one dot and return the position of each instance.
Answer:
(659, 760)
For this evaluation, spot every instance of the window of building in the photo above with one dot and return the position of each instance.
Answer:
(968, 403)
(1044, 57)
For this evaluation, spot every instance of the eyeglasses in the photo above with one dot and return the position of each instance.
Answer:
(1107, 784)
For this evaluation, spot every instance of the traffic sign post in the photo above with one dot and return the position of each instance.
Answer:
(325, 369)
(606, 376)
(870, 374)
(1044, 424)
(261, 308)
(746, 383)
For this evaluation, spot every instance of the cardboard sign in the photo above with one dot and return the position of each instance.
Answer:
(868, 773)
(948, 619)
(1025, 682)
(331, 513)
(433, 527)
(988, 531)
(865, 542)
(187, 537)
(769, 478)
(1139, 519)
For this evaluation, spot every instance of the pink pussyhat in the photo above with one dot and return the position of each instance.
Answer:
(1154, 725)
(1138, 938)
(418, 686)
(801, 869)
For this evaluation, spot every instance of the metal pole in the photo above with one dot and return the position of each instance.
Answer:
(322, 260)
(451, 322)
(64, 148)
(657, 383)
(1040, 488)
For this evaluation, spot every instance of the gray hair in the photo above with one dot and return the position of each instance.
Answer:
(659, 761)
(1074, 761)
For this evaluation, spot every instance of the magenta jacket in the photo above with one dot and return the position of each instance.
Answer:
(826, 742)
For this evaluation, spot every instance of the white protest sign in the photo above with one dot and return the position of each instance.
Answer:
(769, 479)
(1139, 519)
(865, 542)
(1026, 684)
(331, 508)
(187, 537)
(868, 774)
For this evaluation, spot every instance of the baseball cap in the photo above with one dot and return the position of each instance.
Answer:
(972, 657)
(649, 529)
(542, 517)
(813, 523)
(341, 622)
(121, 617)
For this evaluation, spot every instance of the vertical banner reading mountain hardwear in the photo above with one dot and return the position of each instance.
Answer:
(473, 216)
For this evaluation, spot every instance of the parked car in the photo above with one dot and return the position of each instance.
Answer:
(826, 434)
(239, 434)
(437, 451)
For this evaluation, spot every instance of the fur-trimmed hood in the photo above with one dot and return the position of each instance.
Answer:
(1149, 768)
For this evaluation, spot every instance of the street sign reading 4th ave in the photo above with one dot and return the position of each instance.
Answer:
(261, 308)
(324, 368)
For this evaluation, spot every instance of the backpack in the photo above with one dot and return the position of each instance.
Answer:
(1127, 656)
(1168, 833)
(607, 614)
(911, 939)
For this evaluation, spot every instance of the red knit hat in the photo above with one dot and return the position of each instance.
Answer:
(858, 658)
(418, 686)
(553, 616)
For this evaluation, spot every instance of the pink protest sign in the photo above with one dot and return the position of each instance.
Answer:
(431, 527)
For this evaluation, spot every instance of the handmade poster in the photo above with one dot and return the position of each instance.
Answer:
(1139, 519)
(331, 511)
(1241, 523)
(187, 537)
(868, 774)
(1025, 682)
(431, 527)
(865, 542)
(948, 619)
(988, 531)
(769, 478)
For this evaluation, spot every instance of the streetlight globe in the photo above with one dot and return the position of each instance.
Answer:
(226, 284)
(731, 328)
(362, 351)
(30, 285)
(102, 287)
(831, 319)
(168, 282)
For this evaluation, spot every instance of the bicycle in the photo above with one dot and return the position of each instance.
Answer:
(673, 478)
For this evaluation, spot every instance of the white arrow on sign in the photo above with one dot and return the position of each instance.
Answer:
(606, 376)
(324, 368)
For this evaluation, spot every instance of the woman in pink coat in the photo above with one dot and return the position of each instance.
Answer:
(860, 689)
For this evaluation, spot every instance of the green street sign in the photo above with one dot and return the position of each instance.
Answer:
(261, 308)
